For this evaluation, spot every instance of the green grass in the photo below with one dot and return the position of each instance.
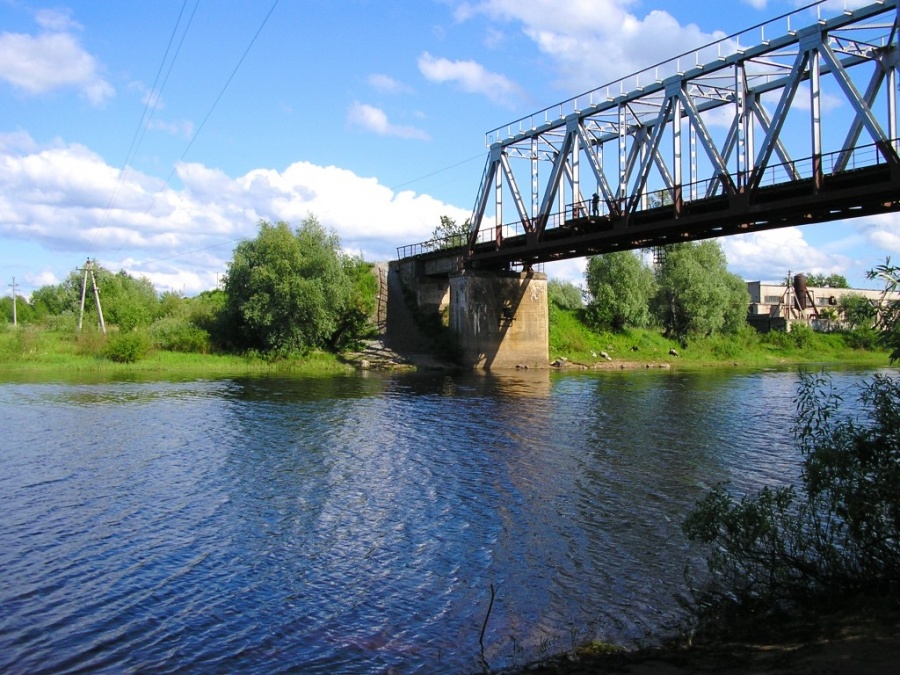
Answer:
(573, 340)
(33, 350)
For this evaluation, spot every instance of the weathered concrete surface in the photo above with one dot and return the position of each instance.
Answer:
(500, 319)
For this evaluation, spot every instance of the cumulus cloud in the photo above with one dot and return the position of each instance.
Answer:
(374, 119)
(592, 42)
(66, 198)
(882, 232)
(769, 256)
(471, 77)
(37, 64)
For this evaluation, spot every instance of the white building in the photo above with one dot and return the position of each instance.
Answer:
(777, 306)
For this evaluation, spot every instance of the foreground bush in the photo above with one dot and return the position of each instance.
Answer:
(835, 534)
(127, 347)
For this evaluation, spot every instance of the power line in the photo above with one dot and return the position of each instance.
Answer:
(151, 103)
(435, 173)
(216, 102)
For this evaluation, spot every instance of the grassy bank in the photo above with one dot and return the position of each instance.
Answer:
(31, 350)
(573, 340)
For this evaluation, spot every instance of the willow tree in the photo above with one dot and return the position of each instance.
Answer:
(620, 287)
(287, 290)
(697, 295)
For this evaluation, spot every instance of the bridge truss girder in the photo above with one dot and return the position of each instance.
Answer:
(632, 142)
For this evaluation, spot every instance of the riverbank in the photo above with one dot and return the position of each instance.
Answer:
(575, 345)
(33, 351)
(848, 642)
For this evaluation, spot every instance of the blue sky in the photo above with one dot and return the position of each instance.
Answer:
(153, 135)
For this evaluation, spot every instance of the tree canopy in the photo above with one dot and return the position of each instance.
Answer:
(620, 286)
(288, 290)
(827, 280)
(697, 295)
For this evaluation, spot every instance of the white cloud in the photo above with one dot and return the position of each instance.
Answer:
(375, 120)
(771, 255)
(49, 61)
(882, 232)
(57, 197)
(593, 42)
(756, 4)
(44, 278)
(387, 84)
(471, 77)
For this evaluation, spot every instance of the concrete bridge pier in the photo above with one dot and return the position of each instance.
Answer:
(500, 319)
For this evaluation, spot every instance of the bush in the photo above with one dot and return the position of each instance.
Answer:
(863, 338)
(179, 335)
(127, 347)
(837, 533)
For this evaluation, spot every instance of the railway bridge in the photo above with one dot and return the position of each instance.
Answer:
(790, 122)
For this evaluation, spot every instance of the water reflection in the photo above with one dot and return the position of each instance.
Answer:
(358, 523)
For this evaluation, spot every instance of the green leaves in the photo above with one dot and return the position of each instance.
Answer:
(288, 290)
(621, 287)
(697, 295)
(838, 531)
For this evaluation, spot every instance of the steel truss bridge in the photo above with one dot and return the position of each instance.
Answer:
(790, 122)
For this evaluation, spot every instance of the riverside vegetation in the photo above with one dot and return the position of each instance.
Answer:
(292, 301)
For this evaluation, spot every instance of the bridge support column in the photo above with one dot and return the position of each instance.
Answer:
(500, 319)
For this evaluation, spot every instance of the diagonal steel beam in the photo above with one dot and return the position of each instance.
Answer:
(863, 110)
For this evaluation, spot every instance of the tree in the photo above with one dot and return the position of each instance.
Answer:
(826, 281)
(888, 321)
(697, 295)
(857, 310)
(620, 286)
(127, 302)
(450, 234)
(287, 289)
(24, 311)
(837, 533)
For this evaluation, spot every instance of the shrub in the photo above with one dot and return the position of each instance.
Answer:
(127, 347)
(179, 335)
(863, 338)
(837, 533)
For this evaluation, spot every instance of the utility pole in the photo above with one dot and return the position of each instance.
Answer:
(14, 287)
(89, 269)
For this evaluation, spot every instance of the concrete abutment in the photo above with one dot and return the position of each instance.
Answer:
(500, 319)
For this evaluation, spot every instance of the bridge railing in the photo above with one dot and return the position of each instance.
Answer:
(716, 51)
(454, 241)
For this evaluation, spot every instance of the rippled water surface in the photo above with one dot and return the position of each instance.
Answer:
(358, 524)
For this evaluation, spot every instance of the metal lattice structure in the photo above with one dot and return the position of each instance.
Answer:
(790, 122)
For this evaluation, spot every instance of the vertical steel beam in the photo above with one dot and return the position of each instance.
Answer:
(535, 186)
(706, 141)
(815, 110)
(741, 117)
(774, 131)
(498, 201)
(623, 156)
(491, 166)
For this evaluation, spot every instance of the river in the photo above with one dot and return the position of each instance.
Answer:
(359, 524)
